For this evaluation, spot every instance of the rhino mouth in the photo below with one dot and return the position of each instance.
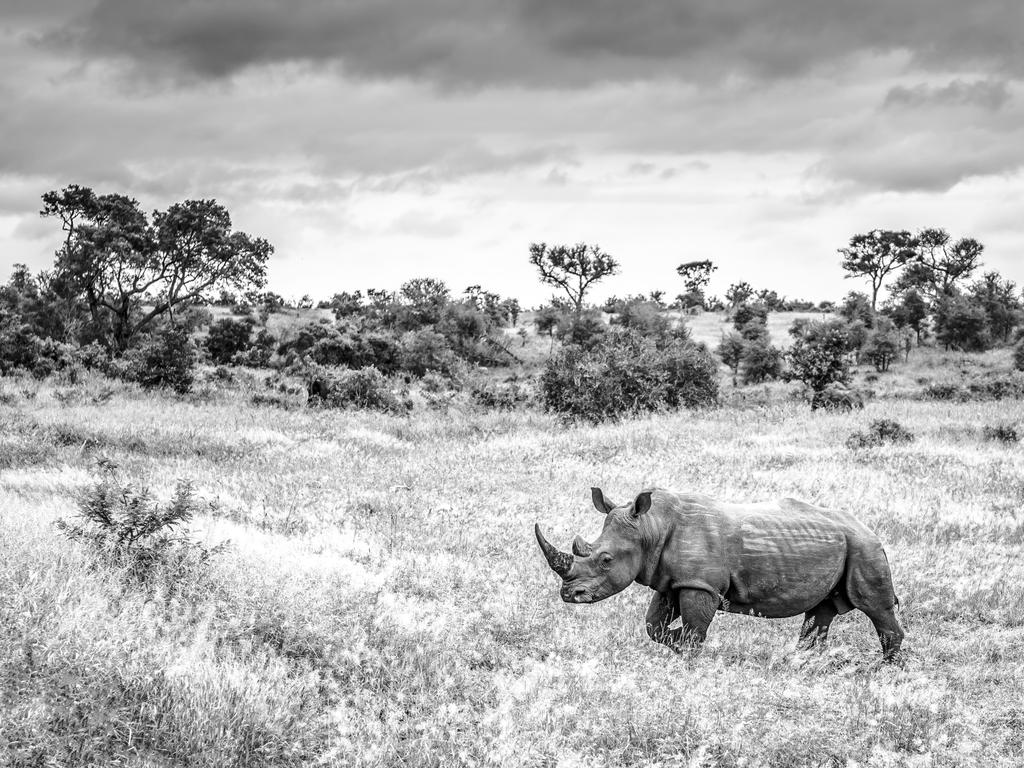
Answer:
(571, 594)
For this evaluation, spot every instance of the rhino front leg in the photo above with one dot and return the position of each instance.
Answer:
(681, 622)
(662, 611)
(869, 587)
(890, 633)
(696, 611)
(816, 624)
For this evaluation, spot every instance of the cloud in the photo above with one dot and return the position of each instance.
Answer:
(988, 95)
(930, 137)
(544, 43)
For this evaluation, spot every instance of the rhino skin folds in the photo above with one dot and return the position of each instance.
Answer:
(770, 559)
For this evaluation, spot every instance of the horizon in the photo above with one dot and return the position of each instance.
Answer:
(759, 138)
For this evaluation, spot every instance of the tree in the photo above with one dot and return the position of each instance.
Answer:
(696, 276)
(739, 293)
(875, 254)
(998, 298)
(881, 349)
(857, 306)
(939, 264)
(423, 300)
(911, 312)
(730, 349)
(573, 268)
(344, 304)
(129, 272)
(511, 309)
(771, 300)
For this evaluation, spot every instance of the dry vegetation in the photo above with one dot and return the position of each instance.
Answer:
(382, 601)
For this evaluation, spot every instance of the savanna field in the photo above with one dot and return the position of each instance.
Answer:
(381, 600)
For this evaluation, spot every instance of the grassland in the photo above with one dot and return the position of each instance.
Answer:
(382, 601)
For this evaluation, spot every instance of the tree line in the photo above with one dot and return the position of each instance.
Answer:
(129, 292)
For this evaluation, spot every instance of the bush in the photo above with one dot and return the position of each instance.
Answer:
(1004, 433)
(227, 339)
(818, 355)
(646, 317)
(881, 349)
(749, 314)
(837, 397)
(761, 361)
(880, 432)
(585, 331)
(259, 352)
(362, 388)
(426, 350)
(628, 374)
(167, 358)
(1018, 356)
(125, 528)
(961, 323)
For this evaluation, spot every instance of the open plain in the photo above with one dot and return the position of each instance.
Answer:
(382, 602)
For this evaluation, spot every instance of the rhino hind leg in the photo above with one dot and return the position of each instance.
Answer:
(816, 624)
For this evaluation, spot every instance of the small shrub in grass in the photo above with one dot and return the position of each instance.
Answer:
(126, 528)
(504, 396)
(837, 397)
(1003, 433)
(1018, 355)
(880, 432)
(942, 391)
(362, 388)
(1001, 386)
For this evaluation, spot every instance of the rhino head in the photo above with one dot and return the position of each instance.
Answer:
(607, 566)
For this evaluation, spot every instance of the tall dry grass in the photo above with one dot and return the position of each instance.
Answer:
(382, 601)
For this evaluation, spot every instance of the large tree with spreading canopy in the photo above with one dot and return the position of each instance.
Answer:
(130, 269)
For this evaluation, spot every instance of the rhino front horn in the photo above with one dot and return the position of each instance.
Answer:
(560, 562)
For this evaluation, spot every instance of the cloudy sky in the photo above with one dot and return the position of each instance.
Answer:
(376, 140)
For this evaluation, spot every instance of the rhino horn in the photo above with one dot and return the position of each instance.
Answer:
(560, 562)
(581, 547)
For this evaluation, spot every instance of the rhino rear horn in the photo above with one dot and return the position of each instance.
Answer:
(560, 562)
(581, 547)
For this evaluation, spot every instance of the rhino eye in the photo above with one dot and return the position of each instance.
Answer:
(606, 559)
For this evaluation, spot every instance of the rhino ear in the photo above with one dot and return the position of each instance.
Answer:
(601, 504)
(642, 503)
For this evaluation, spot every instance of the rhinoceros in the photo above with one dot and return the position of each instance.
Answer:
(770, 559)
